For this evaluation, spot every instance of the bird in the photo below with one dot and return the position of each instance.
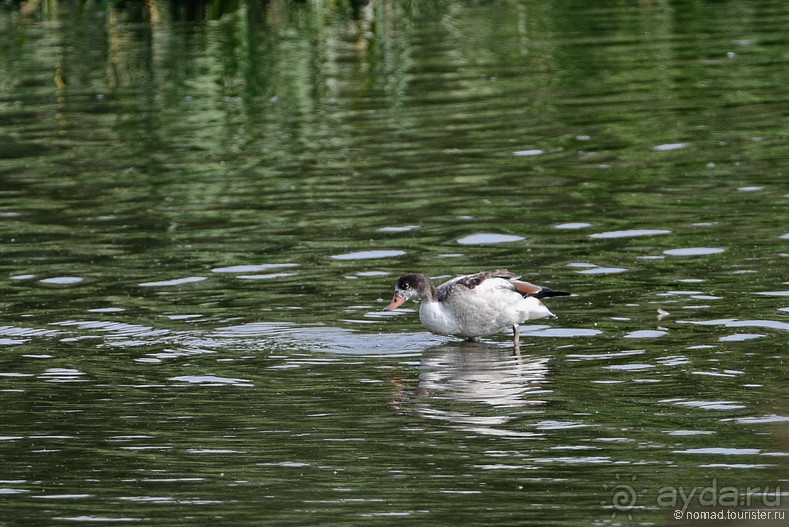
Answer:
(475, 305)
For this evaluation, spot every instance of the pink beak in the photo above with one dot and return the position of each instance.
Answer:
(397, 301)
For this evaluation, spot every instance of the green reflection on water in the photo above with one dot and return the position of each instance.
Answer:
(148, 147)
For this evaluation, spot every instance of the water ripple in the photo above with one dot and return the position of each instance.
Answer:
(645, 334)
(211, 380)
(404, 228)
(590, 268)
(488, 238)
(669, 146)
(720, 451)
(631, 233)
(12, 331)
(368, 255)
(251, 268)
(98, 519)
(117, 328)
(694, 251)
(62, 280)
(572, 225)
(332, 339)
(177, 281)
(761, 419)
(741, 336)
(734, 323)
(708, 405)
(547, 331)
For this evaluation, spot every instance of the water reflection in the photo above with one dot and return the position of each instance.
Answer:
(323, 339)
(477, 386)
(201, 202)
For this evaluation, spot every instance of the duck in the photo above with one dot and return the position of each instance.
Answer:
(475, 305)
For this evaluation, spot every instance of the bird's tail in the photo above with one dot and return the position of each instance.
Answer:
(547, 291)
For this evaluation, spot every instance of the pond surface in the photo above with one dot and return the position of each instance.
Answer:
(204, 210)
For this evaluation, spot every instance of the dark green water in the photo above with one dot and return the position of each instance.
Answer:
(203, 211)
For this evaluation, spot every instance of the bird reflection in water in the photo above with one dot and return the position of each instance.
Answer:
(475, 386)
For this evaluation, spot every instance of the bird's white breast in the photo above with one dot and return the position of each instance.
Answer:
(490, 308)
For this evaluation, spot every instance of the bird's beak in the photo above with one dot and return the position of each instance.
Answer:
(397, 301)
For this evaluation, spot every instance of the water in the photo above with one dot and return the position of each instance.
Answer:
(203, 212)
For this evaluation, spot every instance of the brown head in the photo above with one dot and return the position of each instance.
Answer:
(409, 286)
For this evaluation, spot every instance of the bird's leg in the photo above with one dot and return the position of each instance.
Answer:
(516, 339)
